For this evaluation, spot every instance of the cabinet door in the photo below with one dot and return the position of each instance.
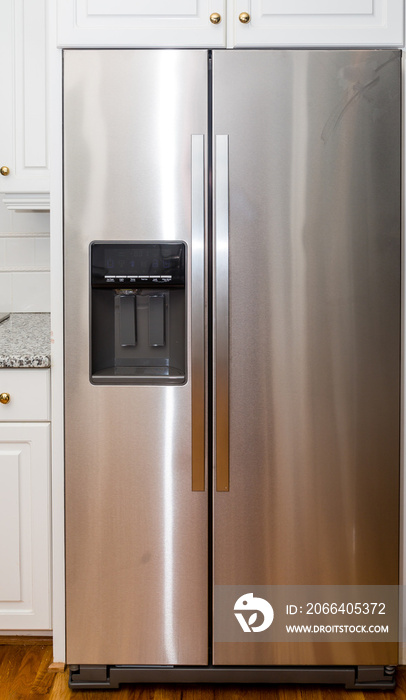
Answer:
(317, 22)
(134, 23)
(23, 88)
(25, 526)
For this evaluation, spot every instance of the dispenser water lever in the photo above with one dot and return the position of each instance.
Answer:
(156, 321)
(127, 320)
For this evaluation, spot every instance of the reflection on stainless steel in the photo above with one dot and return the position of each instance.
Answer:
(168, 113)
(169, 564)
(314, 331)
(222, 315)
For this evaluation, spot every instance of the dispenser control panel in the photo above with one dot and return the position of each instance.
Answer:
(117, 263)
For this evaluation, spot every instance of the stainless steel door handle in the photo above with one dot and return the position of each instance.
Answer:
(197, 302)
(221, 315)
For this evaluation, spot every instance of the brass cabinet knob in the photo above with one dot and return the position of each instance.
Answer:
(215, 18)
(4, 170)
(4, 397)
(244, 17)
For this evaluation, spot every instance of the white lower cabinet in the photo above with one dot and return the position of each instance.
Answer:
(25, 532)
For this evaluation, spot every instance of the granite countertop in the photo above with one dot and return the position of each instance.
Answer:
(25, 341)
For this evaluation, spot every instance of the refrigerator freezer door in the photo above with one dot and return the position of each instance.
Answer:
(136, 533)
(314, 335)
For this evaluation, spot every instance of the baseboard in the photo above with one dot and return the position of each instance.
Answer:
(25, 640)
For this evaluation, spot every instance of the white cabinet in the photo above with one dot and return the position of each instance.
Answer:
(270, 23)
(23, 90)
(25, 600)
(141, 23)
(318, 23)
(29, 391)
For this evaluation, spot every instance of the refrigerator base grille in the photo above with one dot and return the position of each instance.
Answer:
(352, 677)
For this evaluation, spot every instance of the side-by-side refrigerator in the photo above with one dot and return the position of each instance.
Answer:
(232, 365)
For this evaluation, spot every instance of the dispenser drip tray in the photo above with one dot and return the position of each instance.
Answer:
(147, 375)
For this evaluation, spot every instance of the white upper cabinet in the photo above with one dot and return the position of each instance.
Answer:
(317, 23)
(141, 23)
(210, 23)
(24, 156)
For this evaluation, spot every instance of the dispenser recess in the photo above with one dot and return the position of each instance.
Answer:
(138, 313)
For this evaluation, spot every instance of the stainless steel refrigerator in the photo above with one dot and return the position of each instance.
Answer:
(232, 362)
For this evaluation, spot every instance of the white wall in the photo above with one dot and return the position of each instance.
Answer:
(24, 261)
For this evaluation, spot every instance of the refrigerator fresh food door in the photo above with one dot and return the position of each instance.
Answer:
(136, 509)
(307, 345)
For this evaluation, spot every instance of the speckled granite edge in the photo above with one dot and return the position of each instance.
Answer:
(24, 361)
(25, 341)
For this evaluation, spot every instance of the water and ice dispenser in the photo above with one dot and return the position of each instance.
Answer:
(138, 313)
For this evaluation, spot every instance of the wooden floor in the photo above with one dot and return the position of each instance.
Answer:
(24, 674)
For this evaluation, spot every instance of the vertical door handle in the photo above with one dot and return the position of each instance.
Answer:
(197, 302)
(221, 315)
